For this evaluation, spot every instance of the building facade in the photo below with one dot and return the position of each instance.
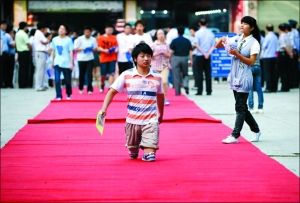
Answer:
(223, 15)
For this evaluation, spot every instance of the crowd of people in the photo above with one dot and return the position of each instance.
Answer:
(63, 56)
(42, 57)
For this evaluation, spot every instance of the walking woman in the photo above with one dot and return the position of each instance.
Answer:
(161, 60)
(240, 76)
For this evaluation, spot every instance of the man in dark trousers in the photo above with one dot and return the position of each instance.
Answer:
(205, 45)
(181, 49)
(24, 57)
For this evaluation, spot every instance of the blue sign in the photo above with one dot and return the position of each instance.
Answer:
(220, 60)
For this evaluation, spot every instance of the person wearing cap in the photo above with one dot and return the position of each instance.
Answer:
(268, 57)
(205, 45)
(296, 49)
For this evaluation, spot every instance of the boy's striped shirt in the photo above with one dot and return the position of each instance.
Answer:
(141, 92)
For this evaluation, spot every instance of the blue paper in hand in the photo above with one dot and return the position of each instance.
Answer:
(87, 50)
(128, 56)
(59, 49)
(111, 50)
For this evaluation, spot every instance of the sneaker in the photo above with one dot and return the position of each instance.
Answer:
(90, 92)
(80, 91)
(58, 99)
(40, 89)
(149, 157)
(101, 90)
(68, 97)
(256, 137)
(167, 103)
(260, 111)
(230, 140)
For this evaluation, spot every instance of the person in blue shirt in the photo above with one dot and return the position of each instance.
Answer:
(206, 44)
(11, 57)
(295, 35)
(181, 49)
(268, 58)
(4, 53)
(62, 47)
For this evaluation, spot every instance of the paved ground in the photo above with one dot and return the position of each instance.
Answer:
(279, 123)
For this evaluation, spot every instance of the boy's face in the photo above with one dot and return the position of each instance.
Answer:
(143, 60)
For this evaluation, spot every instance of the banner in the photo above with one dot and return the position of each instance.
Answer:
(220, 60)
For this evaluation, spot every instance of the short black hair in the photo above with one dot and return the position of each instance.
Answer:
(128, 24)
(22, 25)
(203, 21)
(142, 47)
(87, 28)
(288, 27)
(32, 32)
(193, 28)
(293, 23)
(180, 30)
(270, 27)
(41, 26)
(139, 22)
(282, 26)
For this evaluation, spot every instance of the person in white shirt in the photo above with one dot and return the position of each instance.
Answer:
(140, 36)
(285, 54)
(85, 46)
(268, 58)
(194, 42)
(40, 56)
(296, 49)
(172, 34)
(125, 43)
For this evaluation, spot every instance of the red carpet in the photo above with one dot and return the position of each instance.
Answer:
(87, 111)
(71, 162)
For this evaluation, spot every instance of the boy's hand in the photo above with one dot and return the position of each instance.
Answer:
(102, 113)
(160, 119)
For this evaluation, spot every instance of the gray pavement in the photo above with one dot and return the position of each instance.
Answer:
(279, 123)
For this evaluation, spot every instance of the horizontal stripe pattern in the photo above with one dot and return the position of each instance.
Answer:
(142, 93)
(133, 101)
(142, 117)
(140, 109)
